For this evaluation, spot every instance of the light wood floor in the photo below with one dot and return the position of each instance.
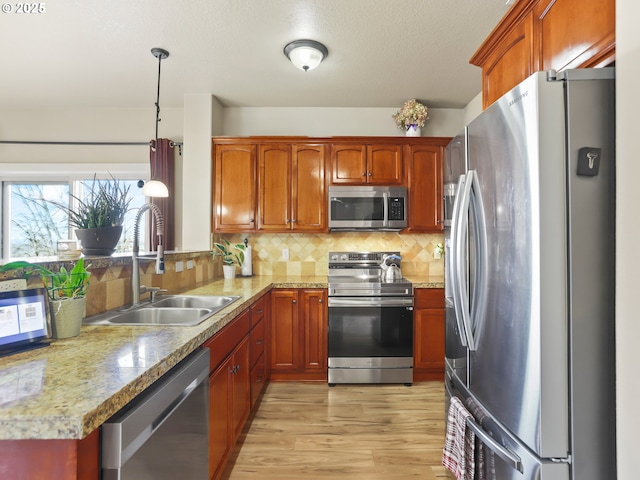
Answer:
(368, 432)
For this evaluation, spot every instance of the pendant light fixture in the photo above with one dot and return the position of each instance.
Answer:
(306, 54)
(155, 188)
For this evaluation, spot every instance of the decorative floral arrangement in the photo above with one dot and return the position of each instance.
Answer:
(411, 113)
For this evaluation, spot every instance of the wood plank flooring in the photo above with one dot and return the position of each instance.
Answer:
(365, 432)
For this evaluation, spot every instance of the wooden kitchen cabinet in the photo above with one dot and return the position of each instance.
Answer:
(534, 35)
(234, 196)
(428, 337)
(229, 389)
(292, 187)
(298, 334)
(64, 459)
(424, 165)
(258, 339)
(375, 164)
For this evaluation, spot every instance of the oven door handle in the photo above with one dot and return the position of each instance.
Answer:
(371, 302)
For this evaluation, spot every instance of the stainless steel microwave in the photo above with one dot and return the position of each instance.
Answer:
(367, 208)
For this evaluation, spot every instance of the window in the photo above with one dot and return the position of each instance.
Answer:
(32, 224)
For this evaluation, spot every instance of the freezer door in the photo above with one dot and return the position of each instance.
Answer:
(519, 367)
(501, 457)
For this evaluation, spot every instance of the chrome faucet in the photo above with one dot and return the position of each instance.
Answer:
(136, 288)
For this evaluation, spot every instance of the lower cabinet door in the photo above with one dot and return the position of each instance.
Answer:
(241, 385)
(219, 416)
(258, 379)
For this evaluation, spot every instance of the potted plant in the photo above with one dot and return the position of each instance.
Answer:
(411, 117)
(98, 217)
(67, 290)
(230, 258)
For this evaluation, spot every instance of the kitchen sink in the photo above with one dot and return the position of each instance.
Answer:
(215, 302)
(169, 310)
(162, 316)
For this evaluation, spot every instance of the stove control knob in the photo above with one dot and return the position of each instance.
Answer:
(334, 257)
(344, 257)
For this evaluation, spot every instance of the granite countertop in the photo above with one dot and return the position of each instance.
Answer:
(68, 389)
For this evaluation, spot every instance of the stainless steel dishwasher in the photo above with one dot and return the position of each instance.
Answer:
(164, 432)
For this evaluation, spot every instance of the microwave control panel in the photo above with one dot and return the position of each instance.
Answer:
(396, 208)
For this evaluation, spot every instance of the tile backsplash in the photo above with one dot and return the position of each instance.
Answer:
(308, 253)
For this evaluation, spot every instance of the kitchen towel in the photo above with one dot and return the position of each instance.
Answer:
(458, 454)
(485, 461)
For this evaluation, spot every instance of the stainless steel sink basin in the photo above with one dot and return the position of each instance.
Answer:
(215, 302)
(170, 310)
(162, 316)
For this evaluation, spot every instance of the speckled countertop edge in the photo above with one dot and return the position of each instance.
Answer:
(70, 388)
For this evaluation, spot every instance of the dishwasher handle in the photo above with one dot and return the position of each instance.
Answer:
(128, 430)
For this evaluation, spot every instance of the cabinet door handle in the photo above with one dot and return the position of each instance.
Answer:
(320, 301)
(370, 174)
(364, 174)
(258, 342)
(293, 301)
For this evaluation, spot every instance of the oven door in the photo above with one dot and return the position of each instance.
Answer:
(371, 327)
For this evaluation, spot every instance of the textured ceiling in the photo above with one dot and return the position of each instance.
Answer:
(89, 53)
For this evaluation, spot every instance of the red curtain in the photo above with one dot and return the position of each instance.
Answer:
(163, 169)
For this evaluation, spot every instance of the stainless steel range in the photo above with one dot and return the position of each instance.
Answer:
(370, 320)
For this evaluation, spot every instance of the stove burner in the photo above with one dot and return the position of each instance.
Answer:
(358, 274)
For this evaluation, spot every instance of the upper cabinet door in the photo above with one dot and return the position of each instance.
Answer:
(425, 187)
(590, 44)
(235, 188)
(510, 63)
(275, 187)
(384, 164)
(308, 188)
(542, 35)
(355, 164)
(348, 164)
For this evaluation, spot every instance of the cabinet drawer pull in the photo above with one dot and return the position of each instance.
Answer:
(258, 342)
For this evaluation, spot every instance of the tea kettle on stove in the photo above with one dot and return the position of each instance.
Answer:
(390, 271)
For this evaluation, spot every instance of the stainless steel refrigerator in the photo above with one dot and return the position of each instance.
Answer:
(530, 284)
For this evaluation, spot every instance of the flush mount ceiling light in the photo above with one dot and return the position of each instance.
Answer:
(306, 54)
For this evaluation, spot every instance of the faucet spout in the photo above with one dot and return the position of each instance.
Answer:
(135, 269)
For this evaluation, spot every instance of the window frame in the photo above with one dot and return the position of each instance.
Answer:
(71, 173)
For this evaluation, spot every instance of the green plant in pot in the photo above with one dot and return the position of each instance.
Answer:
(98, 217)
(232, 256)
(67, 290)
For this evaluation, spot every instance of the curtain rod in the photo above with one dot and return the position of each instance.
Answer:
(33, 142)
(172, 144)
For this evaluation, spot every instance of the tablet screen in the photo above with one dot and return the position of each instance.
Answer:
(24, 317)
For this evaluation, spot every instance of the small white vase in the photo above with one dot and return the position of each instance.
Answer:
(413, 131)
(229, 271)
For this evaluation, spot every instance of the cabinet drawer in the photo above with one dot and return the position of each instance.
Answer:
(257, 342)
(223, 342)
(258, 310)
(428, 298)
(258, 379)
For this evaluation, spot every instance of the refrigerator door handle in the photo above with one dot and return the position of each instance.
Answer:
(503, 452)
(461, 284)
(454, 261)
(481, 257)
